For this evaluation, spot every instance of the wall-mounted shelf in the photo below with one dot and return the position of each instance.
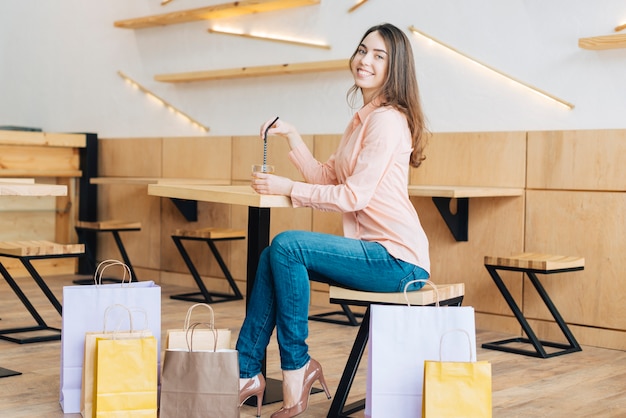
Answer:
(218, 11)
(603, 42)
(299, 68)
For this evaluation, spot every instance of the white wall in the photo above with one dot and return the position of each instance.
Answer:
(59, 61)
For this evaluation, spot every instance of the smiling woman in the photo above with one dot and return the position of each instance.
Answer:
(384, 246)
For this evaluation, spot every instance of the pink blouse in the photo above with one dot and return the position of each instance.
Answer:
(366, 179)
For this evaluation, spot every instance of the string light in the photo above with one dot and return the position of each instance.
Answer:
(161, 101)
(522, 83)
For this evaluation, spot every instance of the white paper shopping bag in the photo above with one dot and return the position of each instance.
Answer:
(401, 338)
(83, 311)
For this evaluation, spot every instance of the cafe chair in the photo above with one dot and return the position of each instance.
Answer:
(114, 227)
(26, 251)
(532, 264)
(210, 236)
(449, 295)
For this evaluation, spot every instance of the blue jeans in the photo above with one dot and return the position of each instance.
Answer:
(281, 292)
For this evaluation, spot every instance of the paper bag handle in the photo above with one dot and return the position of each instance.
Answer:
(469, 342)
(428, 282)
(97, 277)
(188, 317)
(192, 328)
(106, 315)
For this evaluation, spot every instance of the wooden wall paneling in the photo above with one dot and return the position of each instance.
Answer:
(130, 157)
(119, 158)
(577, 160)
(590, 225)
(496, 159)
(496, 226)
(197, 157)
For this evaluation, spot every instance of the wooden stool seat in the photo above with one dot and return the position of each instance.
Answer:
(109, 225)
(113, 226)
(531, 264)
(26, 251)
(539, 262)
(209, 235)
(38, 248)
(448, 295)
(212, 233)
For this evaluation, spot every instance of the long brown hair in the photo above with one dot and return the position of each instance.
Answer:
(400, 89)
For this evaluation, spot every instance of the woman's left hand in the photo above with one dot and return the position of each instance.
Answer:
(264, 183)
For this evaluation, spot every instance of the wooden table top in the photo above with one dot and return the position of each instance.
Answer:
(156, 180)
(462, 191)
(235, 195)
(28, 187)
(245, 195)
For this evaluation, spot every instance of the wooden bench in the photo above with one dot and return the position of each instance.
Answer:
(114, 227)
(532, 264)
(210, 236)
(449, 295)
(26, 251)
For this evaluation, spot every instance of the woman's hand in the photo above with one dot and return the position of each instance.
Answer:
(284, 129)
(279, 127)
(264, 183)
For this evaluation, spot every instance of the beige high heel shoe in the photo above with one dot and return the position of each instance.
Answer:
(312, 372)
(254, 387)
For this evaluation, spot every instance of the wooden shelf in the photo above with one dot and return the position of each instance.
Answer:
(299, 68)
(603, 42)
(218, 11)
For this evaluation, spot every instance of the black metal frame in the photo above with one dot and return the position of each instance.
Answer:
(90, 250)
(41, 323)
(351, 317)
(537, 344)
(203, 295)
(458, 222)
(338, 407)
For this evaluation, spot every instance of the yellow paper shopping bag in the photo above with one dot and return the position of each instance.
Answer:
(126, 377)
(87, 391)
(454, 389)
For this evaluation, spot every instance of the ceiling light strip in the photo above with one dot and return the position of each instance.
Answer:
(482, 64)
(163, 102)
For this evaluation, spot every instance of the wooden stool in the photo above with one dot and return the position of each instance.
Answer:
(114, 227)
(531, 264)
(210, 236)
(449, 294)
(26, 251)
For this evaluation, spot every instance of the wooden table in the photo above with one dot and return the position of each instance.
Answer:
(258, 232)
(27, 187)
(458, 222)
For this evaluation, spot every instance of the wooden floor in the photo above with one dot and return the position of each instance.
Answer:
(591, 383)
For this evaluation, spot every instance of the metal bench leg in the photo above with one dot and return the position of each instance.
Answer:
(120, 246)
(229, 277)
(41, 324)
(532, 338)
(204, 296)
(351, 317)
(338, 408)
